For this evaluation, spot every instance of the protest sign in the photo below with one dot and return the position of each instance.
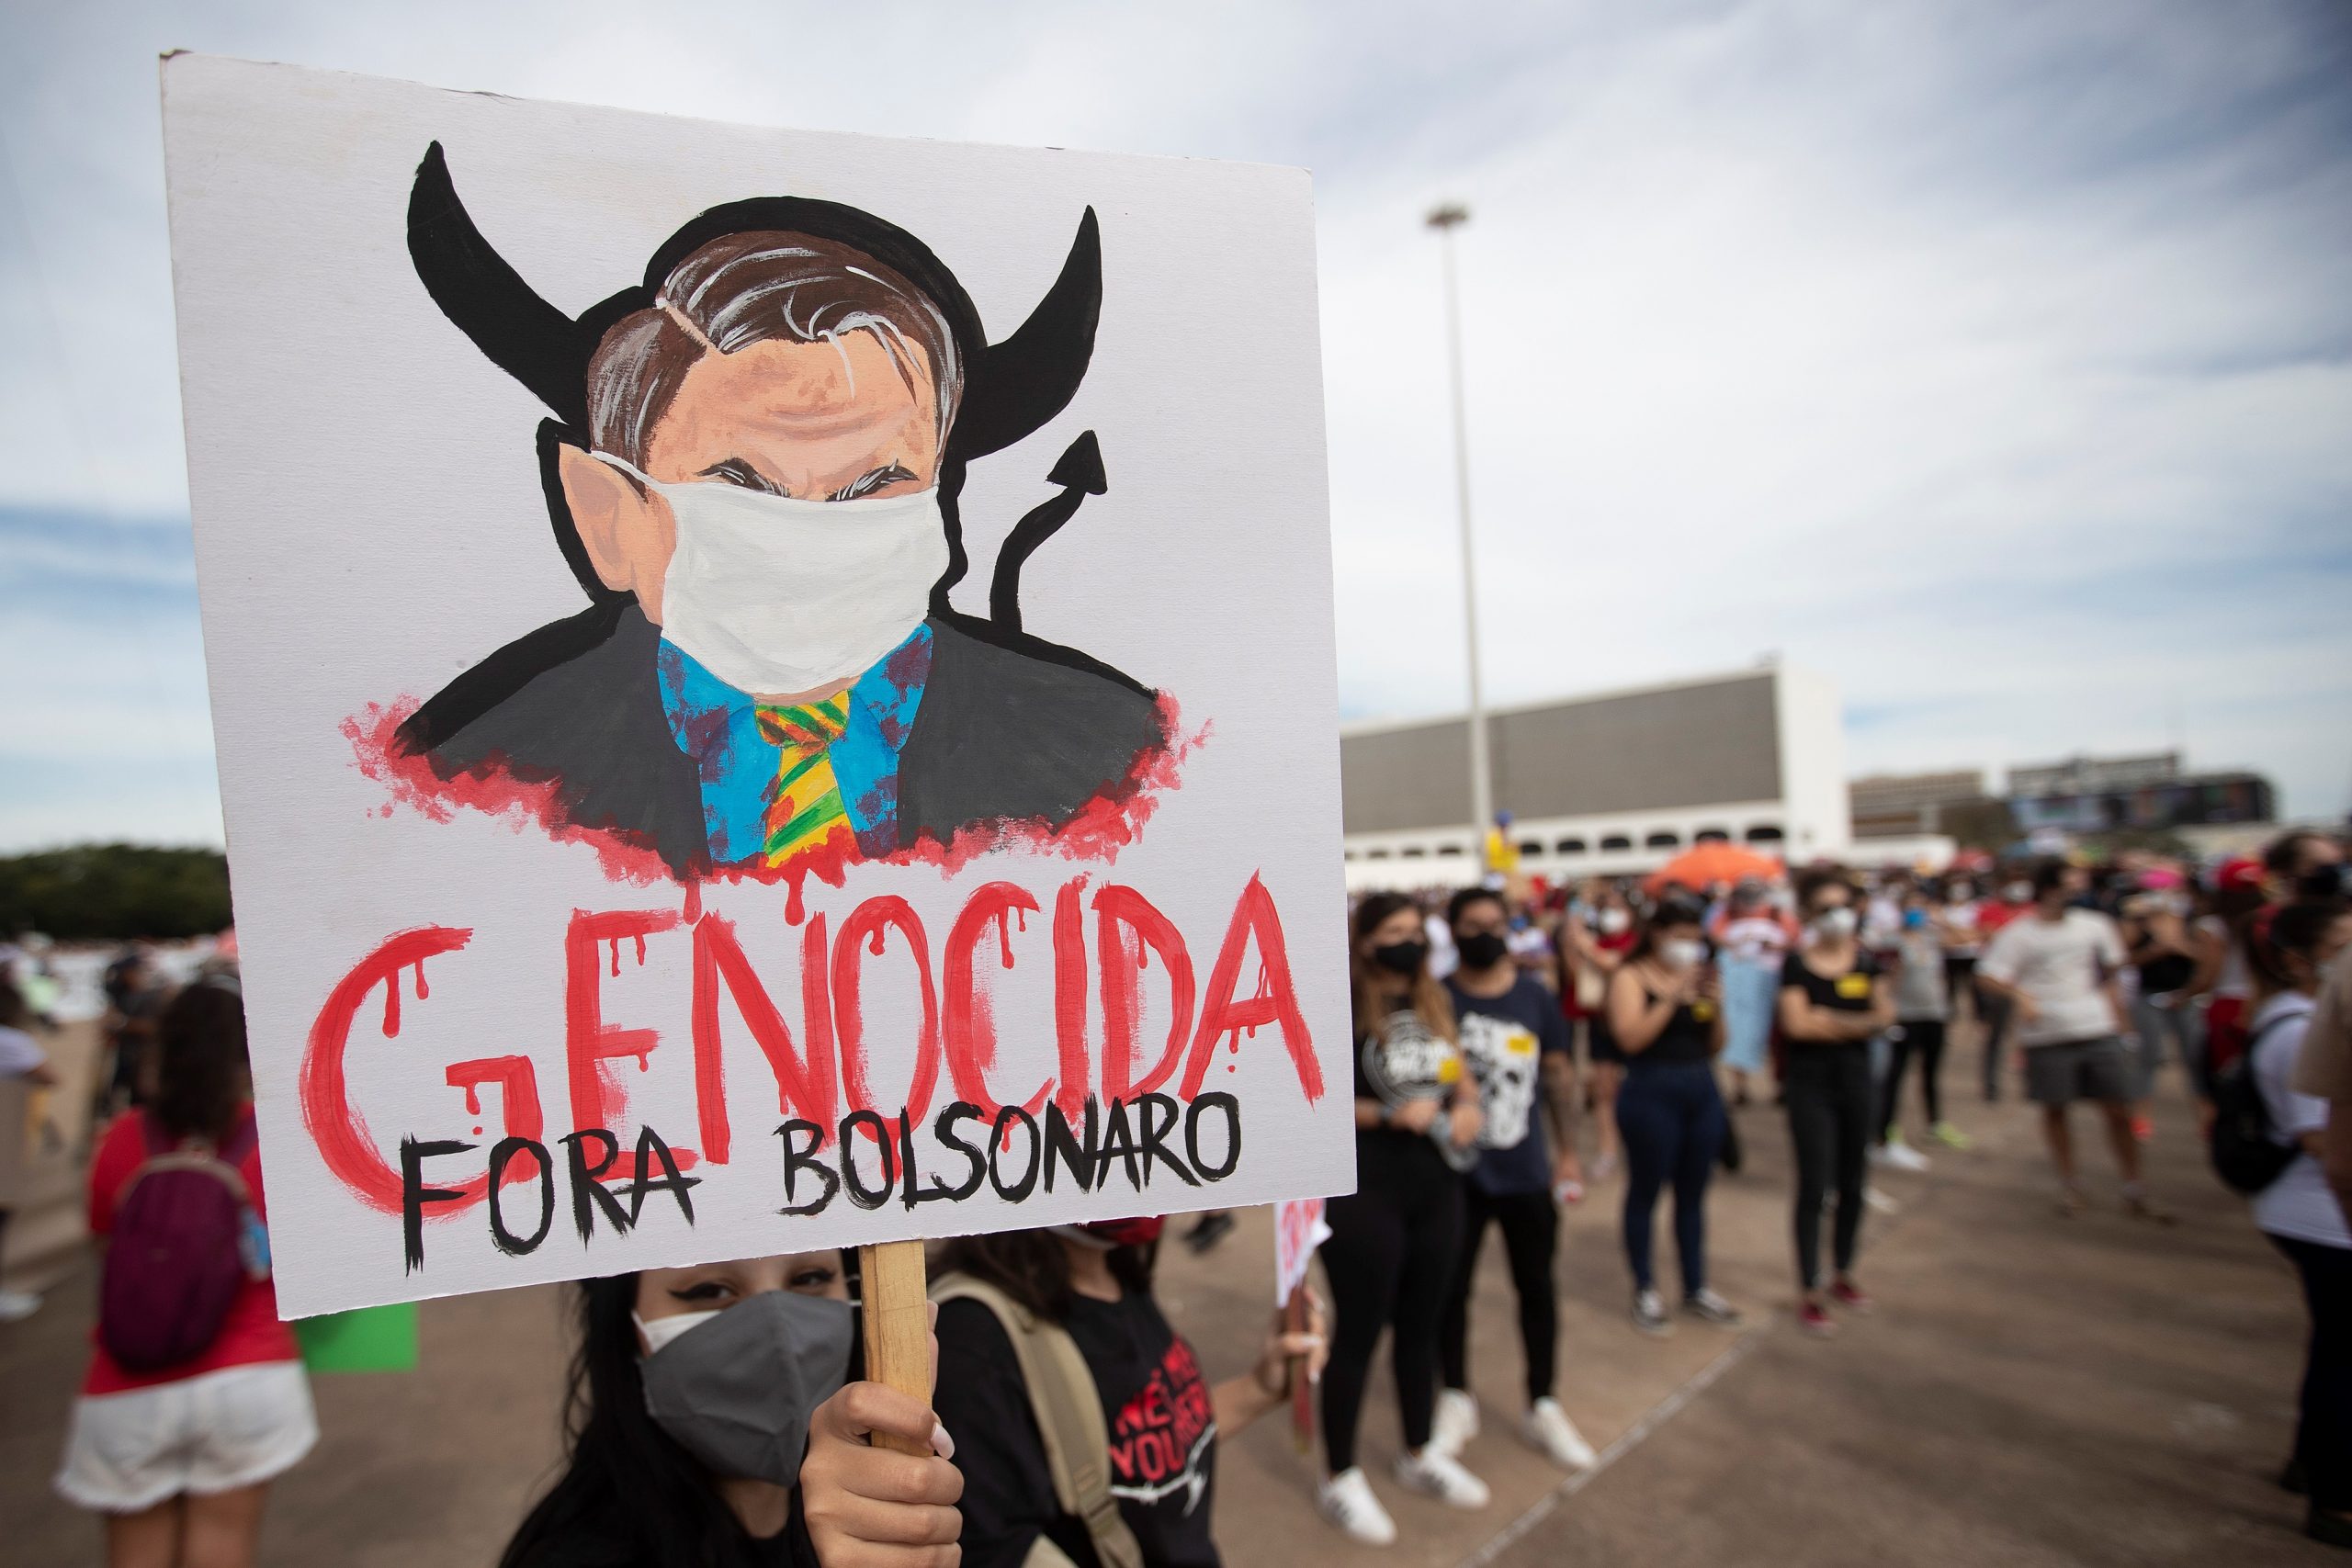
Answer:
(772, 690)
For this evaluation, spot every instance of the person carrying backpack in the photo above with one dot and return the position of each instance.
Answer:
(1086, 1429)
(196, 1397)
(2289, 950)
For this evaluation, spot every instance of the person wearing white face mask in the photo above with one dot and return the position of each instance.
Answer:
(1666, 1013)
(2058, 966)
(1833, 998)
(1591, 950)
(756, 481)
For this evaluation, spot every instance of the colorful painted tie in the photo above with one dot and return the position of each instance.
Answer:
(805, 811)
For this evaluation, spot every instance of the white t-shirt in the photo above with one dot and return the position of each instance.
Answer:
(1960, 920)
(19, 1053)
(1444, 958)
(2299, 1203)
(2060, 965)
(1756, 939)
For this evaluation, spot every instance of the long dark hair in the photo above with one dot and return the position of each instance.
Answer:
(1430, 1000)
(1032, 1268)
(2297, 927)
(626, 1484)
(202, 1078)
(1671, 913)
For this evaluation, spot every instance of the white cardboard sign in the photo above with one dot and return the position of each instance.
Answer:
(772, 690)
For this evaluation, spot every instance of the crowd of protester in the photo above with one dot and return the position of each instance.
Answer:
(1516, 1049)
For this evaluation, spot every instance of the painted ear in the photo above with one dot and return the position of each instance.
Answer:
(488, 300)
(1021, 383)
(606, 508)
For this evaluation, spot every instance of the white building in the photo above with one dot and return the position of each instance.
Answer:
(1607, 785)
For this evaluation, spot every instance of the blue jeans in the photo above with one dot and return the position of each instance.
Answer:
(1672, 1121)
(1751, 992)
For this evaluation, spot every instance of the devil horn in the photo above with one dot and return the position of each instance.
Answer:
(488, 300)
(1024, 381)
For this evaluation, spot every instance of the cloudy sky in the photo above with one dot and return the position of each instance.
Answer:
(1997, 362)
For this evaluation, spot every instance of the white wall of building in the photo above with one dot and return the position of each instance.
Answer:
(1811, 820)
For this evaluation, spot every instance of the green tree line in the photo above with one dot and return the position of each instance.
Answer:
(100, 892)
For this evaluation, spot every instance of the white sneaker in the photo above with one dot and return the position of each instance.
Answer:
(1547, 1427)
(1347, 1501)
(17, 1305)
(1441, 1476)
(1456, 1421)
(1879, 1202)
(1896, 1155)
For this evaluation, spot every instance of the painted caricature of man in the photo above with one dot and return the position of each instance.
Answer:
(759, 495)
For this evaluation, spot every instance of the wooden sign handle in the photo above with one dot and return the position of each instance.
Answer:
(1302, 1393)
(897, 1315)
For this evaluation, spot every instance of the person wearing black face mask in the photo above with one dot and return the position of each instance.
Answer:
(2305, 863)
(713, 1425)
(1390, 1256)
(1516, 1045)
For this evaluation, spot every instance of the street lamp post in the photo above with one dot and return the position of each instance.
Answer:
(1445, 220)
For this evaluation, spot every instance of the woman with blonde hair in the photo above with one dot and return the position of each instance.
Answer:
(1390, 1255)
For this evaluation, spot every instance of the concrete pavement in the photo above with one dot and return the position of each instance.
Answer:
(2032, 1391)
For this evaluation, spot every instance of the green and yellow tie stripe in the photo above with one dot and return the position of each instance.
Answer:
(805, 811)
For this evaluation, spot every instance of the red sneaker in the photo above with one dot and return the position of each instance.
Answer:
(1814, 1318)
(1847, 1295)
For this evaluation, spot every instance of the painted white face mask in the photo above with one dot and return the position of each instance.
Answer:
(1680, 951)
(776, 597)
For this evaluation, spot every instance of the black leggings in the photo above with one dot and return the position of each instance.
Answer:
(1923, 1038)
(1531, 1227)
(1390, 1260)
(1829, 1120)
(2324, 1435)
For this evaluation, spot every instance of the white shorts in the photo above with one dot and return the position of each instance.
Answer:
(238, 1426)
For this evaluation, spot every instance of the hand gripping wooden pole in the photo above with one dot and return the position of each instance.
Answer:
(897, 1315)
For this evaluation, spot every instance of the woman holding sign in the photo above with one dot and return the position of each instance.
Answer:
(1090, 1431)
(1833, 998)
(710, 1428)
(1390, 1258)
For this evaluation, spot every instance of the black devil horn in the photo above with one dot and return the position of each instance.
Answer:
(1021, 383)
(488, 300)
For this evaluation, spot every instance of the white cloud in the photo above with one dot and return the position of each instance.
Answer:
(2000, 372)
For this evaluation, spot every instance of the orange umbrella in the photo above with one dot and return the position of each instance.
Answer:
(1704, 865)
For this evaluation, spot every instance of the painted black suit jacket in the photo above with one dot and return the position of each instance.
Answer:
(1007, 729)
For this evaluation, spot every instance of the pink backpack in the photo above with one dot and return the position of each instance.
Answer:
(179, 1252)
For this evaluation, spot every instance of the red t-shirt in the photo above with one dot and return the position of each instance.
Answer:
(1992, 915)
(249, 1334)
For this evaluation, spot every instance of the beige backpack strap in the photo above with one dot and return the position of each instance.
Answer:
(1068, 1409)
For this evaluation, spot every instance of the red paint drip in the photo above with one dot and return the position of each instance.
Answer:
(693, 902)
(391, 1004)
(616, 954)
(422, 990)
(1097, 832)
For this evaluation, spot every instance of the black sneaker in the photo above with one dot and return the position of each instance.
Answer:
(1208, 1230)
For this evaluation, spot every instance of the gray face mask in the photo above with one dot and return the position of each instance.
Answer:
(736, 1391)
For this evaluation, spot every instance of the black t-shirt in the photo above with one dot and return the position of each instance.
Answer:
(1155, 1407)
(1852, 992)
(1688, 1036)
(606, 1537)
